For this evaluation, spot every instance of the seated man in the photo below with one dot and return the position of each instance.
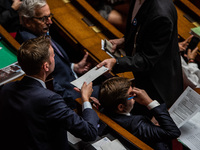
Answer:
(33, 117)
(36, 20)
(117, 97)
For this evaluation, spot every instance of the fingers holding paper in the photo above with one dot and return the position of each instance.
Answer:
(108, 63)
(116, 43)
(86, 91)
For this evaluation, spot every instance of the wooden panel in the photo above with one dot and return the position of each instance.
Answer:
(184, 25)
(193, 5)
(9, 38)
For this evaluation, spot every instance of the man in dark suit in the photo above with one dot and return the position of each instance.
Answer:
(151, 46)
(33, 117)
(117, 98)
(36, 20)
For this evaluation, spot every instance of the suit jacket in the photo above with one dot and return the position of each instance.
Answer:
(33, 117)
(62, 73)
(155, 62)
(158, 137)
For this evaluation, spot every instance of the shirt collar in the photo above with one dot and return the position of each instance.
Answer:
(42, 82)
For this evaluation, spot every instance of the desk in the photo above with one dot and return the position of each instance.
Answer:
(82, 27)
(7, 55)
(9, 69)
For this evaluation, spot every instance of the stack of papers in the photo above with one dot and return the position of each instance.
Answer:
(186, 114)
(106, 144)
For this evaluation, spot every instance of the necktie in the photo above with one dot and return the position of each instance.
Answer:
(56, 48)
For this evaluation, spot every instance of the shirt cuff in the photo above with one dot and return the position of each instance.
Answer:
(72, 67)
(153, 104)
(86, 105)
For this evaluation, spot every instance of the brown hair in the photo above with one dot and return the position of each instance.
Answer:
(33, 53)
(114, 92)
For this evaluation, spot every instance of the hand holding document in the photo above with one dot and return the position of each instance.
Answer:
(89, 76)
(107, 47)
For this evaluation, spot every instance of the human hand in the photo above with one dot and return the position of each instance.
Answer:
(86, 91)
(183, 45)
(108, 63)
(95, 102)
(16, 4)
(141, 96)
(191, 54)
(116, 43)
(83, 66)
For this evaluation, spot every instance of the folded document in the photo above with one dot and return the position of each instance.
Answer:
(89, 76)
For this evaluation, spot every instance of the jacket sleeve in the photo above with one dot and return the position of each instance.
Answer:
(149, 132)
(151, 45)
(84, 127)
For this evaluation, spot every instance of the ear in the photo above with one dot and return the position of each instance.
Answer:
(27, 21)
(120, 107)
(46, 66)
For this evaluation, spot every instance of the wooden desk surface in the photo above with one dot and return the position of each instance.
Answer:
(70, 19)
(184, 25)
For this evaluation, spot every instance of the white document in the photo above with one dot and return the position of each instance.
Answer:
(89, 76)
(114, 145)
(186, 106)
(190, 132)
(72, 139)
(186, 114)
(97, 145)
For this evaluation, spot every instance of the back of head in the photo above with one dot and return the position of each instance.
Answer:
(28, 7)
(33, 53)
(114, 92)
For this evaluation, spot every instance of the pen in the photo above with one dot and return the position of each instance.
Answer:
(131, 97)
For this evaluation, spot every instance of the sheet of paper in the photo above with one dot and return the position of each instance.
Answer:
(100, 143)
(186, 106)
(72, 139)
(190, 133)
(114, 145)
(89, 76)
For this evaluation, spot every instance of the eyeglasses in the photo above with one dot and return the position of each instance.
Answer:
(130, 97)
(44, 18)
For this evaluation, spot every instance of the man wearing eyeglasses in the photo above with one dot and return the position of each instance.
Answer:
(36, 20)
(117, 103)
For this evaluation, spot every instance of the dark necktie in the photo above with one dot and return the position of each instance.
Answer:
(56, 49)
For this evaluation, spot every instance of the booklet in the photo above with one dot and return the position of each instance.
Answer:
(186, 113)
(107, 47)
(10, 73)
(89, 76)
(195, 31)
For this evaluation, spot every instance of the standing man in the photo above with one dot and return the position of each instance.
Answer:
(36, 20)
(33, 117)
(151, 46)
